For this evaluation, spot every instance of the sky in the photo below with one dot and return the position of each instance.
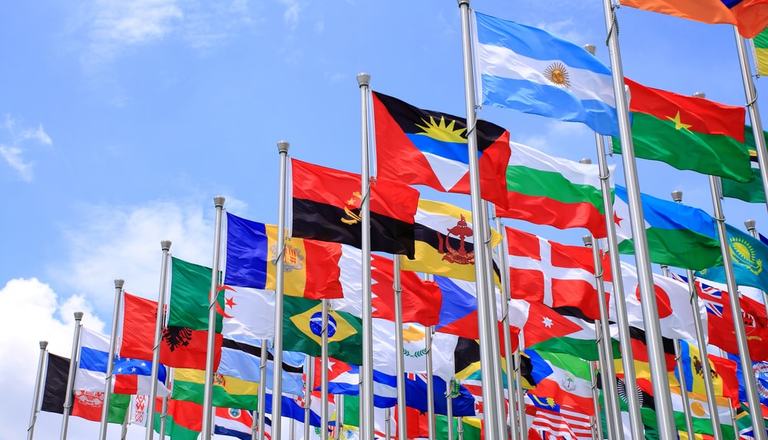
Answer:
(121, 119)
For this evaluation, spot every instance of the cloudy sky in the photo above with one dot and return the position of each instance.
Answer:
(120, 119)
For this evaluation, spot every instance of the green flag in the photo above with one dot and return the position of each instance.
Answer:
(752, 191)
(761, 52)
(470, 426)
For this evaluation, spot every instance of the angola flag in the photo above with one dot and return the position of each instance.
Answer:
(326, 207)
(423, 147)
(688, 133)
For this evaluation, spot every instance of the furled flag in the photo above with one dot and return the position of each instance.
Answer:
(228, 391)
(243, 361)
(138, 334)
(549, 190)
(749, 16)
(530, 70)
(311, 267)
(570, 384)
(233, 423)
(326, 207)
(701, 418)
(423, 147)
(551, 273)
(55, 388)
(184, 420)
(752, 191)
(549, 418)
(678, 235)
(761, 52)
(414, 349)
(444, 241)
(303, 325)
(749, 257)
(687, 132)
(185, 335)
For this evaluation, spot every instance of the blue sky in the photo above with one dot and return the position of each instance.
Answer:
(119, 120)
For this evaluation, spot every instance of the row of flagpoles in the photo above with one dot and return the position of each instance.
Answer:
(499, 422)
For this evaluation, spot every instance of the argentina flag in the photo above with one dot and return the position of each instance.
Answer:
(530, 70)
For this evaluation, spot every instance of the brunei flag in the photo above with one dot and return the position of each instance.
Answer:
(326, 207)
(303, 325)
(423, 147)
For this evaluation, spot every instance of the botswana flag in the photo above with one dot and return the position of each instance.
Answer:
(326, 207)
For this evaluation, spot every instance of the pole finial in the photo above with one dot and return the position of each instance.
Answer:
(78, 316)
(590, 48)
(363, 79)
(165, 245)
(585, 160)
(587, 239)
(750, 224)
(218, 201)
(43, 345)
(463, 2)
(677, 196)
(282, 146)
(119, 283)
(700, 94)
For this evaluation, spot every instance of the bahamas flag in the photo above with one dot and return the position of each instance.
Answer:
(749, 257)
(302, 330)
(532, 71)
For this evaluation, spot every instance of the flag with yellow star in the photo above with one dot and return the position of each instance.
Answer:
(688, 133)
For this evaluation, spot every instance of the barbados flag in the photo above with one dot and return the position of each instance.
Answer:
(424, 147)
(529, 70)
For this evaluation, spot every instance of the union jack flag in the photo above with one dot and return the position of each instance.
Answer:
(712, 297)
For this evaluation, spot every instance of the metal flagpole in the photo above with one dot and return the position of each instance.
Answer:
(431, 428)
(460, 428)
(124, 426)
(505, 297)
(602, 379)
(664, 412)
(449, 407)
(483, 307)
(218, 203)
(366, 393)
(258, 421)
(73, 364)
(36, 397)
(324, 373)
(387, 421)
(277, 347)
(519, 386)
(402, 428)
(340, 415)
(607, 369)
(738, 322)
(754, 110)
(111, 360)
(701, 341)
(308, 392)
(597, 426)
(164, 406)
(165, 246)
(750, 225)
(627, 358)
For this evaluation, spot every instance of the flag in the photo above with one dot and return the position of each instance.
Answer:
(693, 371)
(761, 52)
(640, 354)
(233, 422)
(138, 335)
(751, 191)
(302, 328)
(414, 349)
(184, 343)
(537, 322)
(470, 428)
(749, 16)
(423, 147)
(326, 207)
(228, 391)
(463, 403)
(138, 410)
(551, 273)
(759, 370)
(530, 70)
(458, 307)
(570, 384)
(248, 315)
(134, 376)
(549, 190)
(444, 241)
(551, 419)
(687, 132)
(580, 341)
(311, 267)
(701, 417)
(678, 235)
(184, 420)
(749, 257)
(243, 361)
(55, 387)
(344, 378)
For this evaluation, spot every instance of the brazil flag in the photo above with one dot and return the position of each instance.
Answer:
(302, 330)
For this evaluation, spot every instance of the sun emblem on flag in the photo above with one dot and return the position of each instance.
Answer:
(352, 209)
(442, 131)
(744, 254)
(558, 74)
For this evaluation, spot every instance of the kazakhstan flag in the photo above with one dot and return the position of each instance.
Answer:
(749, 257)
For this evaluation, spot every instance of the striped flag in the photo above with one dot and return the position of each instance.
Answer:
(554, 422)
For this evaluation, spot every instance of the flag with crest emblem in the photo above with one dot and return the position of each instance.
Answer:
(749, 257)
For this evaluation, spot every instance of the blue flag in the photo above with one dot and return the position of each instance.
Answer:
(749, 257)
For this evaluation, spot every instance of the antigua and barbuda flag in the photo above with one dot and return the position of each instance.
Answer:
(527, 69)
(424, 147)
(234, 423)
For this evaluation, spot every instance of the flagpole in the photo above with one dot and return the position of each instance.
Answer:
(738, 322)
(596, 423)
(449, 407)
(366, 394)
(402, 418)
(664, 412)
(165, 246)
(277, 345)
(608, 370)
(750, 225)
(432, 429)
(71, 376)
(258, 421)
(339, 415)
(36, 397)
(307, 391)
(387, 420)
(506, 296)
(627, 359)
(483, 307)
(519, 386)
(124, 426)
(753, 109)
(164, 406)
(111, 360)
(460, 428)
(602, 380)
(324, 373)
(701, 341)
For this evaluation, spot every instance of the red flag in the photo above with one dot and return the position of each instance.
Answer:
(538, 322)
(139, 316)
(421, 299)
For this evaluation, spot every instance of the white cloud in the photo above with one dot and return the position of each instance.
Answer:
(17, 141)
(292, 13)
(14, 157)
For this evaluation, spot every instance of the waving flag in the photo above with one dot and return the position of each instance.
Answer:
(243, 361)
(423, 147)
(530, 70)
(233, 423)
(414, 349)
(538, 322)
(55, 387)
(184, 420)
(458, 308)
(751, 191)
(750, 261)
(570, 383)
(761, 52)
(549, 418)
(138, 335)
